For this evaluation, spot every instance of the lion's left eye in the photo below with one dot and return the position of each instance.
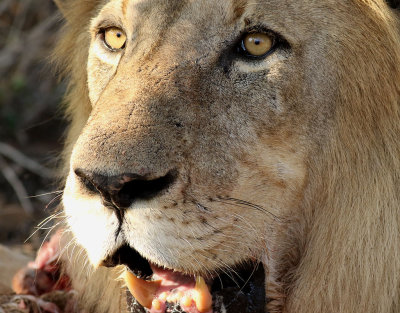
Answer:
(257, 44)
(114, 38)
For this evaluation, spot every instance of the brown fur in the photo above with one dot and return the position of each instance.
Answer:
(314, 140)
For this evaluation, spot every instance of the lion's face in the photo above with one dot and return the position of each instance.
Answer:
(195, 152)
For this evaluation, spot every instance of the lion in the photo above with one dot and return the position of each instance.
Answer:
(233, 155)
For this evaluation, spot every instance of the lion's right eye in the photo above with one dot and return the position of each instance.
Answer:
(257, 44)
(114, 38)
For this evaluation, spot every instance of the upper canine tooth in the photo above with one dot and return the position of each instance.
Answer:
(202, 296)
(141, 289)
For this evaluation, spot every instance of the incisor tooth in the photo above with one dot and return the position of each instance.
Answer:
(170, 298)
(163, 296)
(173, 297)
(186, 301)
(176, 296)
(142, 290)
(202, 296)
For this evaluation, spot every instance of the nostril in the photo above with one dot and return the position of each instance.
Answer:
(86, 180)
(144, 189)
(122, 190)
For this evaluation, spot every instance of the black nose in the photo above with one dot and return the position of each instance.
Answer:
(122, 190)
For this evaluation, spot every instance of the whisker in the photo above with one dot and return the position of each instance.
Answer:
(47, 235)
(238, 202)
(46, 194)
(246, 221)
(195, 259)
(64, 249)
(247, 227)
(43, 223)
(56, 198)
(251, 275)
(227, 270)
(49, 218)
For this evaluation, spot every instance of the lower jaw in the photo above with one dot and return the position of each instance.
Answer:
(245, 297)
(237, 290)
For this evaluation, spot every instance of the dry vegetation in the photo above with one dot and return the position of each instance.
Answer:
(30, 125)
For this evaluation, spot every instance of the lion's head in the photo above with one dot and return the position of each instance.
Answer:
(217, 135)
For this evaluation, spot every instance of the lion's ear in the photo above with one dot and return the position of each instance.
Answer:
(395, 4)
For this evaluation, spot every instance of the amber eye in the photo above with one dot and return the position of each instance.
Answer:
(257, 44)
(114, 38)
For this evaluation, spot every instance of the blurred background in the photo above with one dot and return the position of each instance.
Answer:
(31, 124)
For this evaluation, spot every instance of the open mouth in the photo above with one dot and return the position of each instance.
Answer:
(160, 290)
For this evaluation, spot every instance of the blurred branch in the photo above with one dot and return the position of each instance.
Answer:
(4, 5)
(27, 45)
(17, 185)
(19, 21)
(25, 162)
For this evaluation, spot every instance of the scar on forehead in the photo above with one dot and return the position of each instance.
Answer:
(124, 6)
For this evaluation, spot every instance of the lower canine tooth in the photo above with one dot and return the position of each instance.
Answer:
(142, 290)
(202, 296)
(156, 305)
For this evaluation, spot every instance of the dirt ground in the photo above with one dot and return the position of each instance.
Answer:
(31, 124)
